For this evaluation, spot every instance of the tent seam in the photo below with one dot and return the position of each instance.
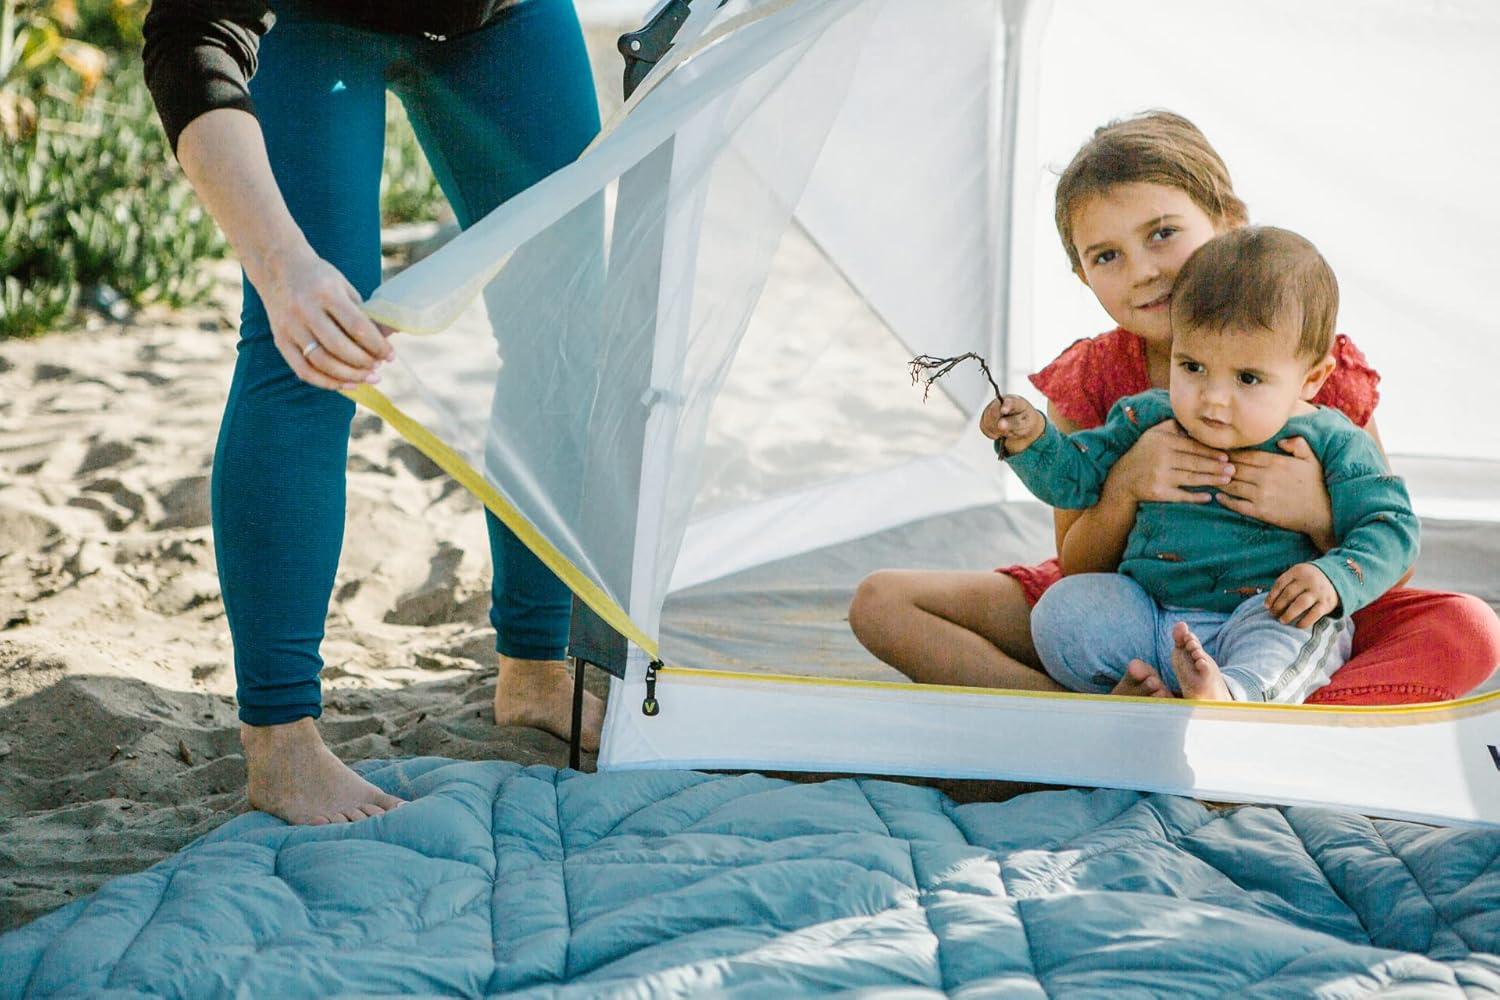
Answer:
(1328, 879)
(494, 876)
(1026, 934)
(1166, 836)
(911, 859)
(942, 968)
(1436, 912)
(1239, 988)
(160, 899)
(30, 976)
(707, 779)
(1005, 893)
(562, 878)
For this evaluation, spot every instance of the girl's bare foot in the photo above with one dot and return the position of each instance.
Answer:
(1196, 670)
(539, 694)
(1141, 681)
(293, 775)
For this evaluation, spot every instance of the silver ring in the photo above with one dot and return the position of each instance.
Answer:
(309, 347)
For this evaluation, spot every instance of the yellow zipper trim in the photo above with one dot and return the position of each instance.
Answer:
(470, 479)
(1424, 708)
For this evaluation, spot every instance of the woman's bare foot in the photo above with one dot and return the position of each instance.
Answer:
(1141, 681)
(539, 694)
(1196, 670)
(293, 775)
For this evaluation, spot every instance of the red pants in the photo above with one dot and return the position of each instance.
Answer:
(1416, 645)
(1409, 646)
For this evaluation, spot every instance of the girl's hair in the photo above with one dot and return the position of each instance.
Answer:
(1153, 147)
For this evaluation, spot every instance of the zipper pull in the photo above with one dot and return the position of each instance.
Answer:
(651, 706)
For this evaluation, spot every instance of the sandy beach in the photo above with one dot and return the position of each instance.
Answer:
(118, 735)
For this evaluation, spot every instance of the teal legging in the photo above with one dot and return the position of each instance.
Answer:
(495, 111)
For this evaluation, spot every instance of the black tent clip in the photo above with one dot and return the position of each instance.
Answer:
(644, 48)
(651, 706)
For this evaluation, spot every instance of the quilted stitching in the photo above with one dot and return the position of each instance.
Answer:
(673, 883)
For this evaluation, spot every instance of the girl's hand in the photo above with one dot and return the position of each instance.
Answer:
(1013, 419)
(1301, 596)
(319, 327)
(1163, 463)
(1283, 489)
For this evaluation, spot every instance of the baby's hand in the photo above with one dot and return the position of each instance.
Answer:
(1014, 420)
(1301, 596)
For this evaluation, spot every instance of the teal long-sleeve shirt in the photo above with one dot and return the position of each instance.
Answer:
(1207, 556)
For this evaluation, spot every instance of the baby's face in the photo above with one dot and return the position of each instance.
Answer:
(1237, 388)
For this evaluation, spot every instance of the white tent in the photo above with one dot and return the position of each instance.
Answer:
(677, 366)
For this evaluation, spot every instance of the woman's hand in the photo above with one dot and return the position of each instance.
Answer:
(316, 319)
(1286, 490)
(1163, 463)
(318, 325)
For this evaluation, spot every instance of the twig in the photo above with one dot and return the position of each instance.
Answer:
(923, 364)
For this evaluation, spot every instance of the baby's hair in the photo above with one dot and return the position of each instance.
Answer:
(1153, 147)
(1253, 277)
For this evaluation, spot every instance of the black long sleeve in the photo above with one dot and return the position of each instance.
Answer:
(201, 54)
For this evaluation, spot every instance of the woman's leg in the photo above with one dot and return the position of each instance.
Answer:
(496, 111)
(1414, 646)
(278, 477)
(940, 627)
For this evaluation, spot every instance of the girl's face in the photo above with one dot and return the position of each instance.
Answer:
(1132, 240)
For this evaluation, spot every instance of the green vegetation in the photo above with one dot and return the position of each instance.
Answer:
(93, 208)
(408, 190)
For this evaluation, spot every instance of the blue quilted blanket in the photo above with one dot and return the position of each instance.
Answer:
(502, 879)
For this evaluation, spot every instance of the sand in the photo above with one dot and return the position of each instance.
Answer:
(118, 735)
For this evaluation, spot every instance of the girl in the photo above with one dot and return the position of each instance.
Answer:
(1131, 207)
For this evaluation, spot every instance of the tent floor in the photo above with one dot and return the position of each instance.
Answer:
(791, 616)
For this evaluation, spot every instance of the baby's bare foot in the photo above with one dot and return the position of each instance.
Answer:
(539, 693)
(1196, 671)
(293, 775)
(1141, 681)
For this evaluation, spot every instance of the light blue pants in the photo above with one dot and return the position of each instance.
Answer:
(1086, 628)
(495, 112)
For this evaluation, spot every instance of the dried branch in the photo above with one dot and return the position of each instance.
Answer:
(927, 369)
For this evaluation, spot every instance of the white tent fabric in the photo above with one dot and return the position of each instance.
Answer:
(585, 331)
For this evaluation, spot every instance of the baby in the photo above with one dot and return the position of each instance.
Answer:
(1209, 603)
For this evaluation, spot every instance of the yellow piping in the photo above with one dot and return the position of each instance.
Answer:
(456, 466)
(1471, 702)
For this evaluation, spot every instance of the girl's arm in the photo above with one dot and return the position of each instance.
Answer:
(1100, 544)
(1160, 466)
